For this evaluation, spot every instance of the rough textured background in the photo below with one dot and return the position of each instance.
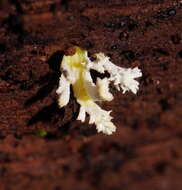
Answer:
(145, 152)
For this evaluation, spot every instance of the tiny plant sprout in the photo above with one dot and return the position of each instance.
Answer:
(75, 68)
(41, 133)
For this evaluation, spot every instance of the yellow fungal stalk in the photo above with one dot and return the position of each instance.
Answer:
(75, 68)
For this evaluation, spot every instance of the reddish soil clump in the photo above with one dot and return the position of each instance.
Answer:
(43, 147)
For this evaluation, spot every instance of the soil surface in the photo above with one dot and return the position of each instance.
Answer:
(43, 147)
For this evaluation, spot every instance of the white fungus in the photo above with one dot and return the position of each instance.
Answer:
(76, 72)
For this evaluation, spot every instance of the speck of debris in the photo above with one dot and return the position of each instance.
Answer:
(171, 12)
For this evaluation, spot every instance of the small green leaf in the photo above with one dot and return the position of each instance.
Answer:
(41, 133)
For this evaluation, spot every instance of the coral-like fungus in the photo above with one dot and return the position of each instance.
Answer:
(76, 68)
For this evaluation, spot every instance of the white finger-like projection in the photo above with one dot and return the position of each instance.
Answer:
(75, 70)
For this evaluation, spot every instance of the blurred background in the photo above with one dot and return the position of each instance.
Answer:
(4, 3)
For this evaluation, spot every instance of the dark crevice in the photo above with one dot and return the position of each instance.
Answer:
(45, 90)
(55, 61)
(176, 39)
(17, 6)
(160, 51)
(165, 66)
(128, 151)
(2, 48)
(14, 24)
(96, 74)
(153, 122)
(166, 14)
(164, 104)
(135, 125)
(145, 78)
(161, 167)
(132, 25)
(114, 26)
(52, 79)
(86, 154)
(43, 79)
(86, 130)
(3, 171)
(179, 55)
(114, 47)
(25, 85)
(31, 40)
(4, 157)
(46, 114)
(130, 55)
(149, 24)
(53, 7)
(88, 44)
(65, 5)
(65, 127)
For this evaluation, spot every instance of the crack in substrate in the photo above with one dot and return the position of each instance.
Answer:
(49, 113)
(53, 79)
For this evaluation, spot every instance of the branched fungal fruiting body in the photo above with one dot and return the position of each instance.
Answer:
(76, 72)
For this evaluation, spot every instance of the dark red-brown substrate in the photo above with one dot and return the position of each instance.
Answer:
(145, 152)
